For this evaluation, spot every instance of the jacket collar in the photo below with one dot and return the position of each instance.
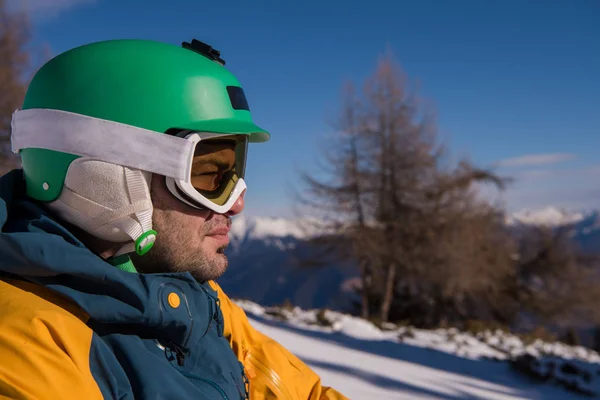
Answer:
(172, 308)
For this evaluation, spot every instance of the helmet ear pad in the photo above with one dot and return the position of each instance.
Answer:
(108, 201)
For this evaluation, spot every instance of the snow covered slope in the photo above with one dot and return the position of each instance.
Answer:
(364, 362)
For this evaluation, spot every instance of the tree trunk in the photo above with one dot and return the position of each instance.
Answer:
(364, 312)
(388, 295)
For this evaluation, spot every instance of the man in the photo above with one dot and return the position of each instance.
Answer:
(112, 233)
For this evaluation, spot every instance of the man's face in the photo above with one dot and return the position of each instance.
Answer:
(189, 239)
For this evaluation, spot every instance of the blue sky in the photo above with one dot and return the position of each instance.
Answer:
(515, 83)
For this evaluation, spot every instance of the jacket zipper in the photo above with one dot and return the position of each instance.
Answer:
(244, 395)
(213, 313)
(246, 383)
(216, 317)
(179, 354)
(271, 375)
(246, 391)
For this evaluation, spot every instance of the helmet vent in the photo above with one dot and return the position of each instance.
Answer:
(204, 49)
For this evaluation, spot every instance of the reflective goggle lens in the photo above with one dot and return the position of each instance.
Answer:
(217, 166)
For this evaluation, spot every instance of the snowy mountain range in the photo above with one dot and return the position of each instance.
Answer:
(585, 225)
(549, 216)
(265, 256)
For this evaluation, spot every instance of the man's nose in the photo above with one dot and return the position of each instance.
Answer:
(238, 206)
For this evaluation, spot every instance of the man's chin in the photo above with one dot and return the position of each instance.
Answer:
(218, 266)
(221, 263)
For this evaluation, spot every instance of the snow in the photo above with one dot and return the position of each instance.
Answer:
(365, 362)
(549, 216)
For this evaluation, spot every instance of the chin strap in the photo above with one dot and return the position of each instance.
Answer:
(139, 229)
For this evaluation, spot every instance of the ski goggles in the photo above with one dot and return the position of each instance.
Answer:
(216, 174)
(203, 170)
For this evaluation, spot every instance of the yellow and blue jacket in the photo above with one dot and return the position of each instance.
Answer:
(74, 327)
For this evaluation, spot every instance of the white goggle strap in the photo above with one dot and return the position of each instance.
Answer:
(102, 140)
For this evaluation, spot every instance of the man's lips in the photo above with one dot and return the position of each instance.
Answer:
(218, 232)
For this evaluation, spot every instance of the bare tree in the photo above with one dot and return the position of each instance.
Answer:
(386, 200)
(404, 145)
(373, 163)
(420, 205)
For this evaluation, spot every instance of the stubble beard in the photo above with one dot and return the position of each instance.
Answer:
(176, 252)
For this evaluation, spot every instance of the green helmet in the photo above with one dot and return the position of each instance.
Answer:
(100, 119)
(151, 85)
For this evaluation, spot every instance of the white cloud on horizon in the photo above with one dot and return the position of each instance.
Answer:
(46, 9)
(535, 160)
